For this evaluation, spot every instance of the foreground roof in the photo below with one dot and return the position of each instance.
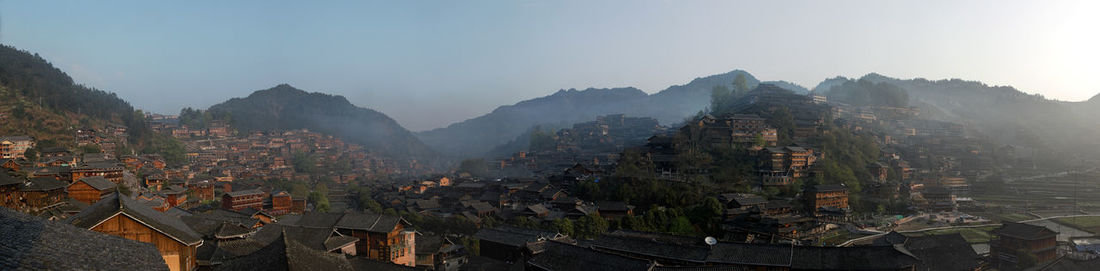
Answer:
(561, 256)
(517, 237)
(283, 254)
(31, 243)
(121, 205)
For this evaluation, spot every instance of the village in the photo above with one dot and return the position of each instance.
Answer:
(573, 201)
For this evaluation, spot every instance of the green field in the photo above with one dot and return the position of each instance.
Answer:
(1013, 217)
(972, 235)
(1089, 223)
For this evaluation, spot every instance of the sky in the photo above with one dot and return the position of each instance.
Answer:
(431, 63)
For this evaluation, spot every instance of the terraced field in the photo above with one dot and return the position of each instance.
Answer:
(1060, 194)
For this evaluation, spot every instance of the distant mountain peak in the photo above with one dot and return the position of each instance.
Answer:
(285, 107)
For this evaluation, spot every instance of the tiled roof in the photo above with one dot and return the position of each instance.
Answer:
(31, 243)
(851, 258)
(284, 254)
(43, 184)
(115, 205)
(338, 241)
(428, 244)
(512, 236)
(98, 182)
(561, 256)
(313, 238)
(6, 179)
(1024, 231)
(943, 252)
(369, 222)
(660, 249)
(244, 192)
(828, 188)
(362, 263)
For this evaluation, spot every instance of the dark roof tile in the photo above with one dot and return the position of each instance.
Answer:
(32, 243)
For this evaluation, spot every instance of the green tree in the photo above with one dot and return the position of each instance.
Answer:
(475, 167)
(320, 201)
(90, 148)
(740, 85)
(719, 96)
(541, 141)
(304, 163)
(564, 226)
(590, 226)
(31, 154)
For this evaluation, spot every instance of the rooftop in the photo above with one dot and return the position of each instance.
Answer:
(28, 242)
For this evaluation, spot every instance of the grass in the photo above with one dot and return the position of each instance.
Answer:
(836, 237)
(972, 235)
(1088, 223)
(1013, 217)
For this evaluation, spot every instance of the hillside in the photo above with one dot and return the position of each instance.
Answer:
(284, 107)
(477, 136)
(39, 100)
(1003, 113)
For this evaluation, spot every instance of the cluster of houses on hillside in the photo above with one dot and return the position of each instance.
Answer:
(267, 156)
(594, 143)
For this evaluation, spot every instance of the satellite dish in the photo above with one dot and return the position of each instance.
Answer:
(710, 241)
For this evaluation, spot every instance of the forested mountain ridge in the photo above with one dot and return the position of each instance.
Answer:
(284, 107)
(477, 136)
(44, 102)
(1003, 113)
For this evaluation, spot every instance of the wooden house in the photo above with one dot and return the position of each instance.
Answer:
(203, 190)
(9, 190)
(107, 169)
(1019, 245)
(43, 192)
(381, 237)
(175, 195)
(830, 195)
(238, 200)
(281, 203)
(91, 189)
(124, 217)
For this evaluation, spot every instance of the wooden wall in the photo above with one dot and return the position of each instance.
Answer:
(85, 193)
(182, 256)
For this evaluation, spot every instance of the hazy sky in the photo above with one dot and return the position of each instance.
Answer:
(431, 63)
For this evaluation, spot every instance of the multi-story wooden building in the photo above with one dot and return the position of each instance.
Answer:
(91, 189)
(124, 217)
(1021, 246)
(238, 200)
(203, 190)
(281, 203)
(13, 147)
(832, 197)
(112, 171)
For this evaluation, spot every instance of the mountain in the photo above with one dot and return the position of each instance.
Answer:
(477, 136)
(824, 86)
(40, 100)
(284, 107)
(796, 88)
(1005, 113)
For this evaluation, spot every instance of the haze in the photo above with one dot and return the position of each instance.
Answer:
(428, 64)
